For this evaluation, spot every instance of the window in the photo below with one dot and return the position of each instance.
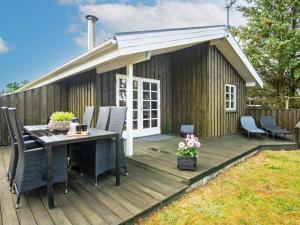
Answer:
(230, 93)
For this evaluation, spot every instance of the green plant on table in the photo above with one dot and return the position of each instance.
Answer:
(62, 116)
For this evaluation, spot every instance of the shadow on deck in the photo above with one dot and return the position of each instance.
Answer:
(153, 180)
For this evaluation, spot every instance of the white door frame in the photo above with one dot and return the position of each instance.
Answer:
(140, 131)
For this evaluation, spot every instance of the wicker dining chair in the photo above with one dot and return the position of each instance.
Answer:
(76, 150)
(31, 167)
(14, 147)
(103, 117)
(102, 123)
(102, 153)
(88, 115)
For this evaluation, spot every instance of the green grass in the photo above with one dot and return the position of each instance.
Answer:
(263, 190)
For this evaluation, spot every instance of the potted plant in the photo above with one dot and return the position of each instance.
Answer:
(187, 153)
(60, 121)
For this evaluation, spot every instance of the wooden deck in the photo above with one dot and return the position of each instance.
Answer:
(214, 154)
(153, 179)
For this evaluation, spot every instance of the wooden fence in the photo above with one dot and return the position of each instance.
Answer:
(285, 118)
(33, 106)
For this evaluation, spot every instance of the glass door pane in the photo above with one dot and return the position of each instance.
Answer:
(150, 104)
(122, 99)
(154, 104)
(135, 98)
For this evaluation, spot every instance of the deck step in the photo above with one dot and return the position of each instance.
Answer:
(158, 171)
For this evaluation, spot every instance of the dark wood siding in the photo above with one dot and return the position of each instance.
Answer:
(220, 72)
(81, 92)
(199, 75)
(192, 83)
(159, 68)
(103, 88)
(34, 106)
(189, 88)
(92, 89)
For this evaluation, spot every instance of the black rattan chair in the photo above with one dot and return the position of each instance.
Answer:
(31, 167)
(14, 147)
(88, 115)
(103, 117)
(102, 152)
(75, 150)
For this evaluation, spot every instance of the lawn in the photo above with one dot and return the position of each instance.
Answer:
(265, 189)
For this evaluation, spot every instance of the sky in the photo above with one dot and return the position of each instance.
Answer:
(36, 36)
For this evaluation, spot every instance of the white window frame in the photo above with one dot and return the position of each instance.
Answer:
(230, 100)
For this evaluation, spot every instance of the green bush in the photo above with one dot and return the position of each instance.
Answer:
(62, 116)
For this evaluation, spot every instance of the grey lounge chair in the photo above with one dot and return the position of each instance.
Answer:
(31, 168)
(102, 152)
(269, 124)
(186, 129)
(14, 147)
(249, 126)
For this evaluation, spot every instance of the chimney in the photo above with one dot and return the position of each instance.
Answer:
(91, 31)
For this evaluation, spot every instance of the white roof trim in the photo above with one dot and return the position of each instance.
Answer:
(245, 60)
(43, 80)
(125, 47)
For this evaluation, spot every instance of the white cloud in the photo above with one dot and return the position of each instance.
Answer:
(3, 46)
(121, 16)
(73, 28)
(75, 2)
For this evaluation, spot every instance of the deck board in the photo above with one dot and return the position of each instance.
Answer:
(153, 178)
(161, 155)
(7, 205)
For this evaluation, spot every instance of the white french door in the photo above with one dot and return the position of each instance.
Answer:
(146, 104)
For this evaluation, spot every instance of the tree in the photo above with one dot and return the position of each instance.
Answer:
(271, 39)
(11, 87)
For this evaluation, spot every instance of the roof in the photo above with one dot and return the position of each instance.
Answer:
(133, 47)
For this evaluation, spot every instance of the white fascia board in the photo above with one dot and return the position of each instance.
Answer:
(91, 63)
(244, 59)
(163, 44)
(70, 66)
(163, 33)
(142, 39)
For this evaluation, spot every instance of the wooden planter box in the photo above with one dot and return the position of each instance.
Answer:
(186, 163)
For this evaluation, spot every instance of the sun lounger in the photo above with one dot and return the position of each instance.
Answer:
(269, 124)
(249, 126)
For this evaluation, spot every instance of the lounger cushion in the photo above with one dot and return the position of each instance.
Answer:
(269, 124)
(249, 125)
